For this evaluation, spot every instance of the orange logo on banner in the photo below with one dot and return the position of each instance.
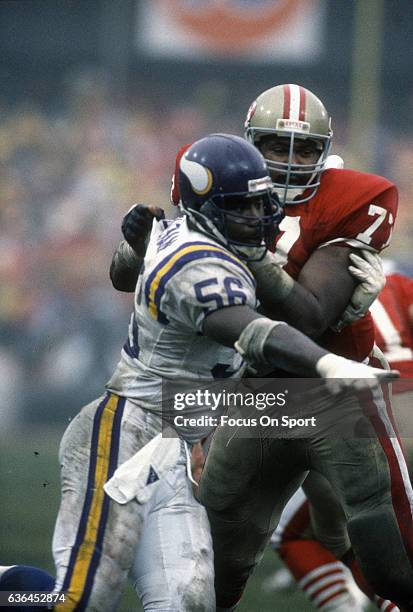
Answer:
(231, 26)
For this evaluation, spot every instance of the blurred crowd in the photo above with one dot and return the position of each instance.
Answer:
(68, 175)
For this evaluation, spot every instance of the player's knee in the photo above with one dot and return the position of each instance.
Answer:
(383, 558)
(199, 592)
(230, 581)
(185, 591)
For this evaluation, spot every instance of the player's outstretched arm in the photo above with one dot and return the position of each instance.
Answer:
(271, 343)
(128, 257)
(316, 300)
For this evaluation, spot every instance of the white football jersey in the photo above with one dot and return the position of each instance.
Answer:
(186, 276)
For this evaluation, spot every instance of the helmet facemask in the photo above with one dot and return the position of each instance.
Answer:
(294, 183)
(220, 215)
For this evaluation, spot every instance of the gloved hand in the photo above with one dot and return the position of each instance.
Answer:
(368, 270)
(137, 224)
(349, 374)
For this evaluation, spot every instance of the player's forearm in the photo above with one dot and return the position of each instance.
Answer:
(125, 268)
(276, 345)
(290, 350)
(263, 342)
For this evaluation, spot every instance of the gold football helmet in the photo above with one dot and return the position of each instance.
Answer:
(294, 113)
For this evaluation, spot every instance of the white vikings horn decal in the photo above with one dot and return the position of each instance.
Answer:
(199, 176)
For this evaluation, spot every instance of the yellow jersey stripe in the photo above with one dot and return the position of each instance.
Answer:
(175, 259)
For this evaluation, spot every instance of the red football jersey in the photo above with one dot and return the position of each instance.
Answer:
(392, 320)
(351, 209)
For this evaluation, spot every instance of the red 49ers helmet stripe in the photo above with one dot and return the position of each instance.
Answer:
(303, 100)
(294, 102)
(287, 102)
(175, 195)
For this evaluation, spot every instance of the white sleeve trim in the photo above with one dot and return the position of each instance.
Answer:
(357, 244)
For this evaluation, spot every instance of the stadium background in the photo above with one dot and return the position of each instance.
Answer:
(96, 98)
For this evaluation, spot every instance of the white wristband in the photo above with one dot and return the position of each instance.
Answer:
(251, 343)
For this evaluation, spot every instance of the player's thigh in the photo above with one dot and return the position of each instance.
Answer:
(104, 434)
(240, 468)
(173, 568)
(245, 485)
(356, 469)
(230, 469)
(356, 462)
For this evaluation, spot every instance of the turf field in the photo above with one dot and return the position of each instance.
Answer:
(29, 484)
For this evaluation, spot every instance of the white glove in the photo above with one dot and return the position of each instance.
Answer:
(351, 374)
(369, 271)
